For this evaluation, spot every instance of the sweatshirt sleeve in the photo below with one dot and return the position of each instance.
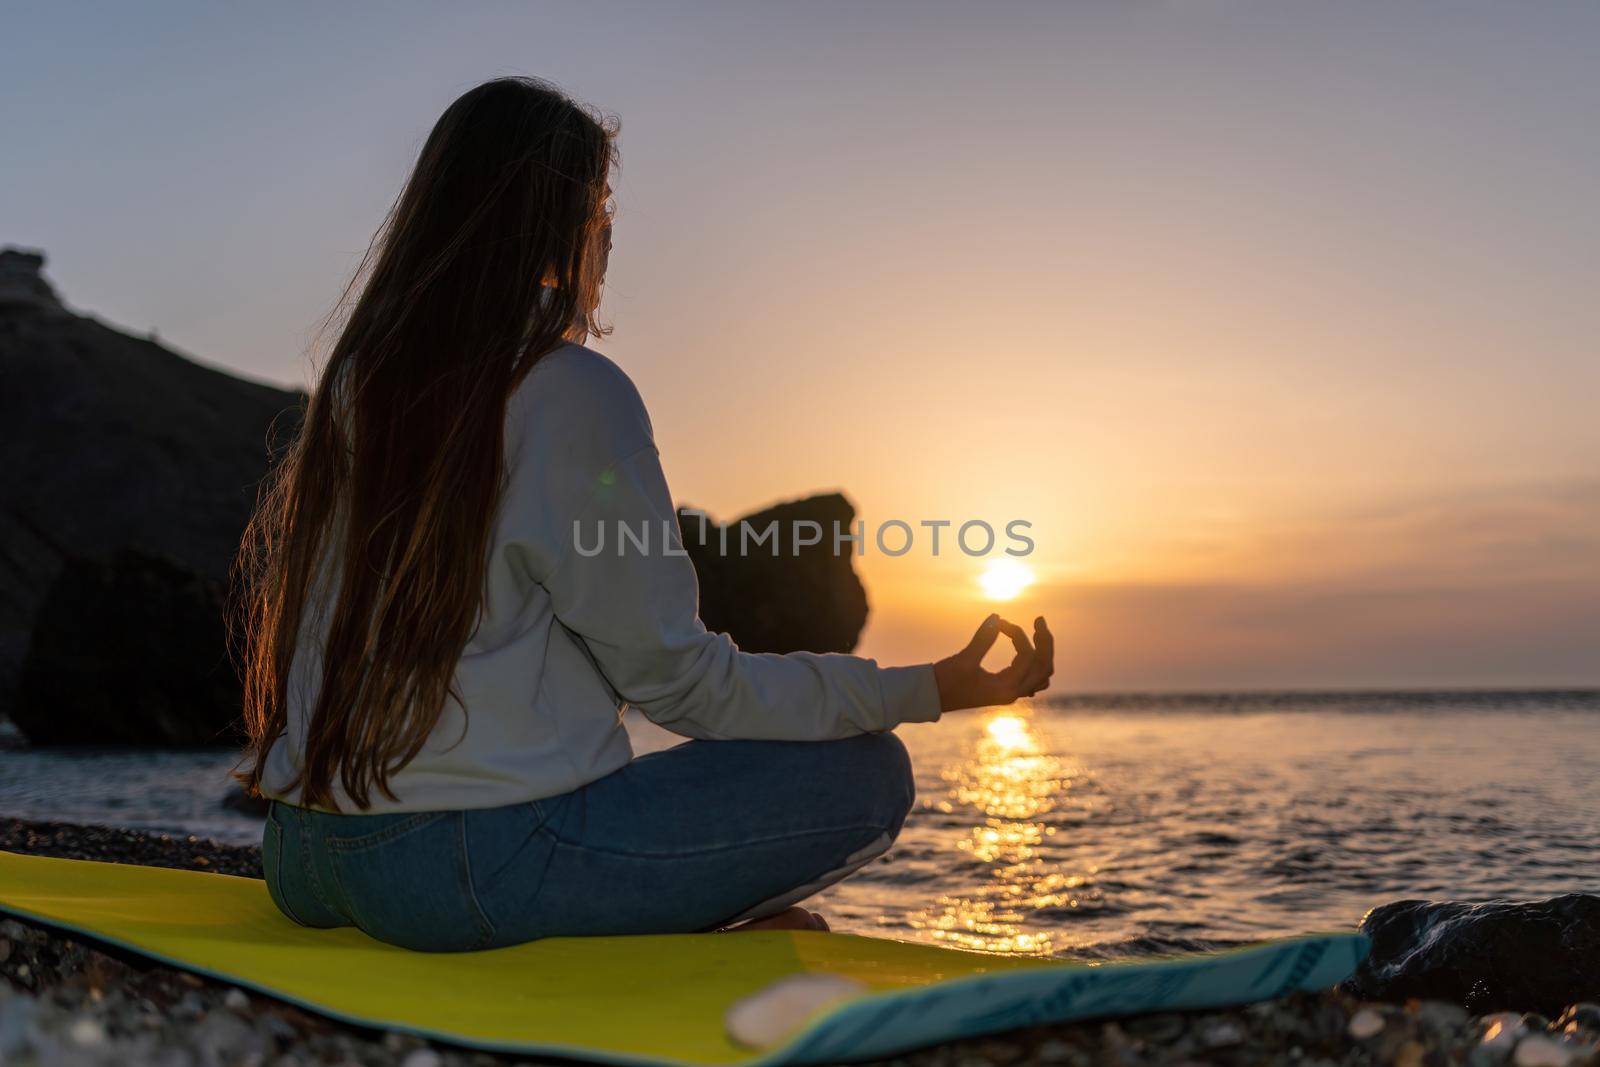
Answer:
(637, 612)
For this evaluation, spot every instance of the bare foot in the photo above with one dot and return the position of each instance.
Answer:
(787, 919)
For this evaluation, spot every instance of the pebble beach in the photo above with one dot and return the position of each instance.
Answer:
(64, 1002)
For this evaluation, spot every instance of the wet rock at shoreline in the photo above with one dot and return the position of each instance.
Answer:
(1496, 956)
(236, 799)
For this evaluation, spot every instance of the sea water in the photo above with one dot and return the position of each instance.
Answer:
(1101, 826)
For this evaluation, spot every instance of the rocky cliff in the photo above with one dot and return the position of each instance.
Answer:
(112, 443)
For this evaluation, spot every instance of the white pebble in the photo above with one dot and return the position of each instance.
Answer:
(1537, 1050)
(771, 1014)
(1500, 1031)
(422, 1057)
(236, 1000)
(87, 1032)
(1222, 1035)
(1366, 1023)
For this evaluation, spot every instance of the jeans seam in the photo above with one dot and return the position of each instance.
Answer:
(485, 926)
(823, 879)
(539, 821)
(309, 869)
(712, 850)
(281, 898)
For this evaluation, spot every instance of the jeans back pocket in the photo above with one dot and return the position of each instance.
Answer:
(408, 882)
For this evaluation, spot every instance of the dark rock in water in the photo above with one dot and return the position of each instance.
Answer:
(113, 442)
(763, 594)
(236, 799)
(1497, 956)
(131, 651)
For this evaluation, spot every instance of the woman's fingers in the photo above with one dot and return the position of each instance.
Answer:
(964, 683)
(1044, 659)
(983, 640)
(1027, 677)
(1019, 640)
(1003, 686)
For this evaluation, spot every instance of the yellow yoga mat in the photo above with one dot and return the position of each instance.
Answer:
(632, 1000)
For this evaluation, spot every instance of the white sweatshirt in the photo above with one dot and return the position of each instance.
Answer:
(570, 638)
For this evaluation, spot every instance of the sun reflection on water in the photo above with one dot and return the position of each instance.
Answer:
(1013, 780)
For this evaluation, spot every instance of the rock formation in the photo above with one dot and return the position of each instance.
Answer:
(1496, 956)
(767, 596)
(22, 283)
(113, 443)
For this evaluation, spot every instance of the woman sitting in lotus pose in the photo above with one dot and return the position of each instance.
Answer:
(435, 677)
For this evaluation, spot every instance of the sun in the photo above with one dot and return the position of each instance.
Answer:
(1003, 579)
(1010, 733)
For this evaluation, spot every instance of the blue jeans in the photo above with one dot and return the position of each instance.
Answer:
(691, 838)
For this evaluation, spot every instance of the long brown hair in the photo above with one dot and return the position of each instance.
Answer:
(490, 258)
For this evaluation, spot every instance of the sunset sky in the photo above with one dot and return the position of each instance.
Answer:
(1277, 321)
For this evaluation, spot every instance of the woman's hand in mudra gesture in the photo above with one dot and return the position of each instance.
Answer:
(963, 683)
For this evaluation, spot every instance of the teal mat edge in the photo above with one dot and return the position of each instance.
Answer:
(1013, 1000)
(861, 1029)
